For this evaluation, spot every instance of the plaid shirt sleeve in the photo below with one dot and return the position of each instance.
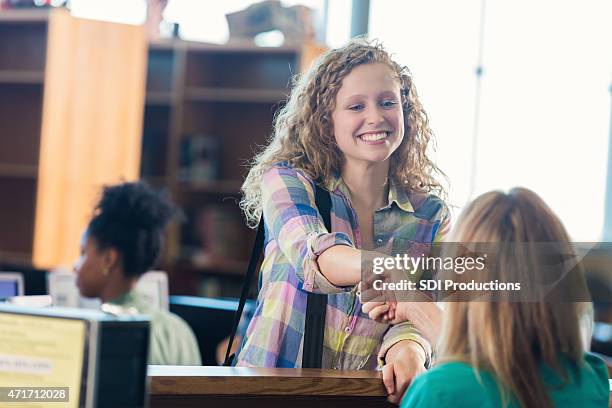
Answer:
(406, 330)
(294, 222)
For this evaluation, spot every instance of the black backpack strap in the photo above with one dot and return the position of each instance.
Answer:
(248, 279)
(314, 326)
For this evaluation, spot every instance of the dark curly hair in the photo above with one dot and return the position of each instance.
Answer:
(131, 218)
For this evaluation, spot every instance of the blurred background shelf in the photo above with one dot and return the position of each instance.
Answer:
(53, 87)
(18, 170)
(208, 109)
(220, 267)
(235, 95)
(237, 46)
(14, 16)
(202, 112)
(229, 187)
(16, 258)
(21, 77)
(158, 98)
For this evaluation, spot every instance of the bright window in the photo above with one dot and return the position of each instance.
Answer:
(544, 112)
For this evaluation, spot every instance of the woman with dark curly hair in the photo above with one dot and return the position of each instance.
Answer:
(354, 126)
(123, 241)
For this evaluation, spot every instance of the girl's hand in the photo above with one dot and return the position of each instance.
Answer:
(426, 316)
(386, 312)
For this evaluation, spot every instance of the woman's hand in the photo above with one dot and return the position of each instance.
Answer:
(404, 361)
(426, 316)
(384, 312)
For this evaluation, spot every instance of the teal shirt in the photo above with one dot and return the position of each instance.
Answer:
(171, 340)
(456, 385)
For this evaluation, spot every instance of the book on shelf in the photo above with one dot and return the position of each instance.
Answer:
(213, 236)
(199, 161)
(210, 287)
(153, 153)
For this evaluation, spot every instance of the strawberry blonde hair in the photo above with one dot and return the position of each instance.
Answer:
(512, 339)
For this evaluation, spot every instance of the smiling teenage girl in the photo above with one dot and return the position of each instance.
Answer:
(353, 125)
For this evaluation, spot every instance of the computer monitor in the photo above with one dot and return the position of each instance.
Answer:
(154, 285)
(65, 293)
(210, 319)
(100, 360)
(34, 280)
(11, 284)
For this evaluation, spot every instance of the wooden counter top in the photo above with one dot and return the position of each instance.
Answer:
(181, 380)
(184, 387)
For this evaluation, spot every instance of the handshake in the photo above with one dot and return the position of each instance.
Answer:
(424, 314)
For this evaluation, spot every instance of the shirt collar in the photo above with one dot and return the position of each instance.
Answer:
(397, 193)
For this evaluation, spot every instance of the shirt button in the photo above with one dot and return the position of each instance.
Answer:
(347, 329)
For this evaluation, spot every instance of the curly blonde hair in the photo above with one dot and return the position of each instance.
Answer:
(303, 131)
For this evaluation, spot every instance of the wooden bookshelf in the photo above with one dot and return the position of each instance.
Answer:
(24, 16)
(223, 97)
(158, 98)
(219, 267)
(21, 77)
(71, 101)
(229, 188)
(235, 95)
(18, 170)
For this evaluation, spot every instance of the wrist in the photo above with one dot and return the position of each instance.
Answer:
(407, 350)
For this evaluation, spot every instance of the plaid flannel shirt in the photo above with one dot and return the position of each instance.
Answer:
(294, 237)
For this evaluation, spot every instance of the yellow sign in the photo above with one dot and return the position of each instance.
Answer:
(41, 352)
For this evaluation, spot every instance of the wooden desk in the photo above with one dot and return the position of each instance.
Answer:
(182, 387)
